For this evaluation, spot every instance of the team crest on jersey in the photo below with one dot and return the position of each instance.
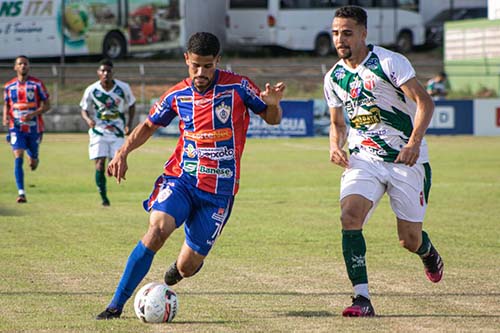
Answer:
(355, 88)
(30, 94)
(223, 112)
(98, 94)
(372, 63)
(369, 82)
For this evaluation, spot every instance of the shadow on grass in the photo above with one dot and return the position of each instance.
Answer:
(309, 314)
(4, 211)
(438, 315)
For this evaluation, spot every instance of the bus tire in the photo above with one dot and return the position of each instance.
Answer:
(114, 46)
(404, 43)
(323, 45)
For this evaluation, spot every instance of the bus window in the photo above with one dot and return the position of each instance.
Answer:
(408, 5)
(247, 4)
(364, 3)
(385, 3)
(311, 4)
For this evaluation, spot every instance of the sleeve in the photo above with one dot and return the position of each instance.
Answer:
(85, 103)
(6, 98)
(399, 68)
(129, 95)
(43, 92)
(251, 95)
(162, 112)
(331, 97)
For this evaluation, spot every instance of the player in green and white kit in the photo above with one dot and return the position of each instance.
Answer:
(388, 112)
(108, 99)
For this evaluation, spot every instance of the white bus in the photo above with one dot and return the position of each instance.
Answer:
(305, 25)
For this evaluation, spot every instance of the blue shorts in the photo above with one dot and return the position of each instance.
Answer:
(26, 141)
(204, 214)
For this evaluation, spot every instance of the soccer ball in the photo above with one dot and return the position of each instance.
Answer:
(156, 303)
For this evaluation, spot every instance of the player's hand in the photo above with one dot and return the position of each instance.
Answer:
(118, 167)
(339, 156)
(408, 155)
(91, 123)
(126, 130)
(272, 95)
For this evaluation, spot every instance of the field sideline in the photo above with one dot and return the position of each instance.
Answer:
(278, 265)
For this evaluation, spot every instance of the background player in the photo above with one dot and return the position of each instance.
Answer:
(109, 99)
(201, 178)
(25, 100)
(389, 112)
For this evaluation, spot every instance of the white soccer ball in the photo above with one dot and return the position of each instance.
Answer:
(156, 303)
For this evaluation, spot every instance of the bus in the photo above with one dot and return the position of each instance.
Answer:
(305, 25)
(113, 28)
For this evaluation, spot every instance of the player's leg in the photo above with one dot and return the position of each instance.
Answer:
(360, 193)
(161, 225)
(409, 193)
(202, 229)
(33, 144)
(98, 151)
(19, 145)
(100, 179)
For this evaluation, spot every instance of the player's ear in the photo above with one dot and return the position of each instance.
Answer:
(186, 58)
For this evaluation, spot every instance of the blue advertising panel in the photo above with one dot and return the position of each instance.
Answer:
(452, 117)
(298, 121)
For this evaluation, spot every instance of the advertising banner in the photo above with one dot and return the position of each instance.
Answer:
(487, 117)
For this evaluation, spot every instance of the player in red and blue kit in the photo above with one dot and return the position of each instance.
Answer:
(201, 178)
(25, 100)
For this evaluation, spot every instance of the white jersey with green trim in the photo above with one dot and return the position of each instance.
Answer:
(108, 107)
(381, 116)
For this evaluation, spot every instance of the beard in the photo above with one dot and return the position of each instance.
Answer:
(345, 54)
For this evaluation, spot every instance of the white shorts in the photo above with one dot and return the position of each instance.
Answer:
(408, 187)
(103, 145)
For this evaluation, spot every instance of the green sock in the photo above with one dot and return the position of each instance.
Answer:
(354, 251)
(100, 180)
(424, 249)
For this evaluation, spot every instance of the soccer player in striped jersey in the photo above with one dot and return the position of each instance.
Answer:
(108, 99)
(25, 100)
(388, 112)
(201, 177)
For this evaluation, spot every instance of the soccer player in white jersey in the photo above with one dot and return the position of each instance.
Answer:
(108, 99)
(388, 112)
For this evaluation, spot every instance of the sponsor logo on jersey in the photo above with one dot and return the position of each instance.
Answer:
(372, 147)
(190, 151)
(209, 136)
(393, 78)
(366, 119)
(223, 112)
(202, 101)
(190, 167)
(355, 88)
(369, 82)
(372, 63)
(221, 172)
(185, 99)
(215, 154)
(339, 73)
(224, 94)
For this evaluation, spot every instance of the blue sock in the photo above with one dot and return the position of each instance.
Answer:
(137, 267)
(18, 173)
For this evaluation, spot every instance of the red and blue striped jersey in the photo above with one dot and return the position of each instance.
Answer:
(23, 98)
(213, 127)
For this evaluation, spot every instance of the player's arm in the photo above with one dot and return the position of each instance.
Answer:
(338, 137)
(272, 97)
(130, 122)
(118, 165)
(5, 116)
(86, 117)
(425, 108)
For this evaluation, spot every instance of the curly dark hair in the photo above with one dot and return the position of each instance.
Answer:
(203, 44)
(356, 13)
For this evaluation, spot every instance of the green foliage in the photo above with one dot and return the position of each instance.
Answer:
(278, 265)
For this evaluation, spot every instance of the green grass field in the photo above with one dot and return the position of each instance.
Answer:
(278, 265)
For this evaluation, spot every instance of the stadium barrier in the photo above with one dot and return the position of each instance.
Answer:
(303, 118)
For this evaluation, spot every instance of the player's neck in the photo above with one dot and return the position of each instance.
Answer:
(22, 78)
(108, 85)
(356, 59)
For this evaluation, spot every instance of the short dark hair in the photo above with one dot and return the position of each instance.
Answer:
(203, 44)
(21, 56)
(106, 62)
(356, 13)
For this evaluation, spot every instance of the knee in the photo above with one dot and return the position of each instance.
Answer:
(410, 242)
(187, 269)
(350, 220)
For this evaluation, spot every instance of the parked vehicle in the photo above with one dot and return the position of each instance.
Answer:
(113, 28)
(306, 24)
(435, 26)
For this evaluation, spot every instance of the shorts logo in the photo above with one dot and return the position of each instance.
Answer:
(223, 112)
(421, 198)
(164, 194)
(209, 136)
(13, 138)
(220, 215)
